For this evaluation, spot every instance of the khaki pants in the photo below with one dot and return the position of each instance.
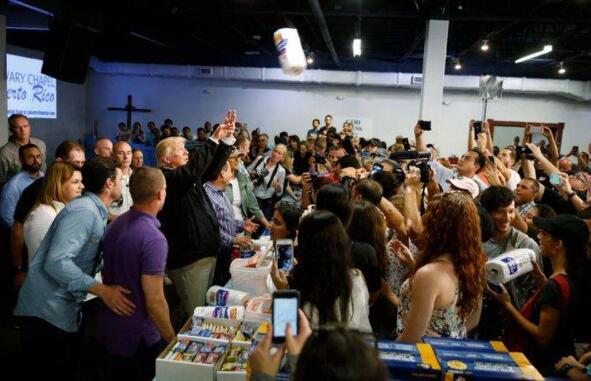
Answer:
(192, 281)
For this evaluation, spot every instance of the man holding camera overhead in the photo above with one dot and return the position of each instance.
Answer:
(472, 164)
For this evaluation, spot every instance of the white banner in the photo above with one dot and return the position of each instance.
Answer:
(29, 92)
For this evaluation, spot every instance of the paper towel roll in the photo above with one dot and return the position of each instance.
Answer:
(510, 265)
(234, 312)
(221, 296)
(289, 48)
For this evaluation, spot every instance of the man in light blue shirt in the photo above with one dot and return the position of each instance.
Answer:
(30, 157)
(62, 273)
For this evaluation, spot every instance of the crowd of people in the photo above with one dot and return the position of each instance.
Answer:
(392, 242)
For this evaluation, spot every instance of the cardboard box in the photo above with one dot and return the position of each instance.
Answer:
(465, 345)
(231, 375)
(519, 369)
(174, 370)
(184, 333)
(409, 361)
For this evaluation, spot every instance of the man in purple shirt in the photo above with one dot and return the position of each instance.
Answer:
(135, 253)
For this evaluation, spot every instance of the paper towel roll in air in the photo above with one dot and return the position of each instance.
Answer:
(510, 265)
(221, 296)
(289, 48)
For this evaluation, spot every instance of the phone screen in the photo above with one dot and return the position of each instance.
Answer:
(376, 168)
(536, 130)
(555, 179)
(285, 310)
(284, 254)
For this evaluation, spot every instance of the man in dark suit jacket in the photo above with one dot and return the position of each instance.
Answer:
(188, 220)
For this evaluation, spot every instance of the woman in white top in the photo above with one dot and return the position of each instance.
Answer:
(331, 291)
(62, 184)
(268, 176)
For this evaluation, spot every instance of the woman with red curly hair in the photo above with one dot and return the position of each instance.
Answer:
(446, 285)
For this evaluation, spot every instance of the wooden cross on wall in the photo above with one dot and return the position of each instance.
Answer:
(129, 108)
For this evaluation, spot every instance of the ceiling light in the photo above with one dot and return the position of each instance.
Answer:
(310, 60)
(561, 69)
(356, 47)
(485, 46)
(458, 65)
(547, 49)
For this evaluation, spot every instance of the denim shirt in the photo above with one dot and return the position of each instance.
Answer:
(65, 264)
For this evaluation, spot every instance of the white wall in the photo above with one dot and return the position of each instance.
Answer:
(276, 107)
(71, 111)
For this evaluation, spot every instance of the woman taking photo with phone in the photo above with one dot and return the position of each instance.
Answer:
(331, 290)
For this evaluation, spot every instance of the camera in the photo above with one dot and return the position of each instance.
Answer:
(257, 176)
(423, 167)
(477, 128)
(409, 155)
(524, 151)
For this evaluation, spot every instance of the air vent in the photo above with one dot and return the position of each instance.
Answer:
(204, 71)
(416, 80)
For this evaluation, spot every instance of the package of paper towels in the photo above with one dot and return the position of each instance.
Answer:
(221, 296)
(510, 265)
(289, 48)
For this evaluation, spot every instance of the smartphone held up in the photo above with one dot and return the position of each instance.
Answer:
(285, 310)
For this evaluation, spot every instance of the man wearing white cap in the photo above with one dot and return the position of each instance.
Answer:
(464, 184)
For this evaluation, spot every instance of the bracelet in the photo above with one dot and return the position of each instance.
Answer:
(571, 195)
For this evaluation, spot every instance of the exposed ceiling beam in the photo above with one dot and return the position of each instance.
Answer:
(324, 29)
(413, 46)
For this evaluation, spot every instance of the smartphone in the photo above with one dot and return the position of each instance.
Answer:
(495, 287)
(285, 310)
(492, 159)
(284, 254)
(424, 125)
(377, 167)
(555, 179)
(536, 130)
(575, 149)
(453, 160)
(477, 129)
(406, 144)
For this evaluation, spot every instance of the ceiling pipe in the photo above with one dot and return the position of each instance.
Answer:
(324, 29)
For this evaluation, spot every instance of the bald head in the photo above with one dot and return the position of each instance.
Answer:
(145, 184)
(103, 147)
(122, 152)
(565, 165)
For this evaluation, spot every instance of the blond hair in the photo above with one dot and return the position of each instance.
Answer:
(165, 146)
(58, 174)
